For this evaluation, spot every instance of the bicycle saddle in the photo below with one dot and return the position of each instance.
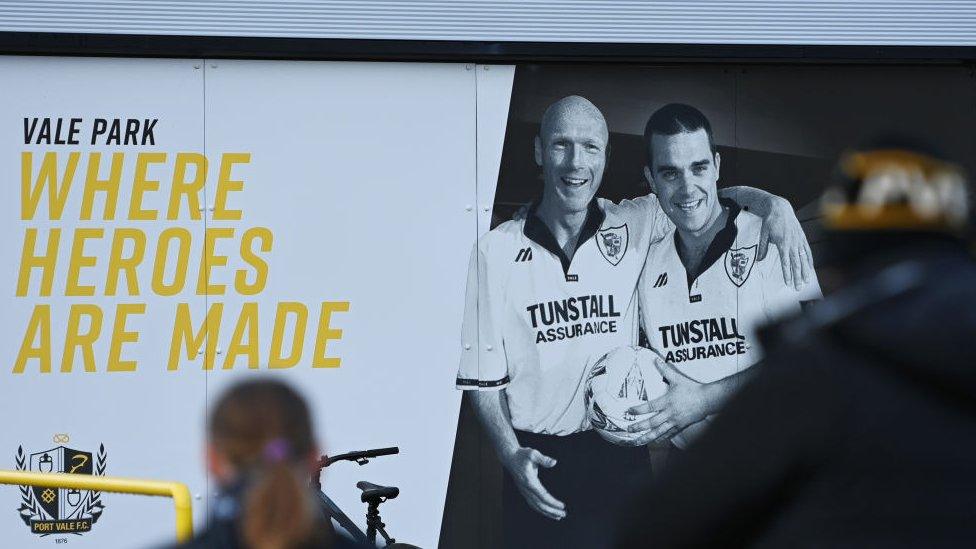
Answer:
(375, 491)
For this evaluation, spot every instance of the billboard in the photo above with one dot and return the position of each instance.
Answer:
(381, 235)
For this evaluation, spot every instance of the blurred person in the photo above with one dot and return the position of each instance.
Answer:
(860, 427)
(261, 451)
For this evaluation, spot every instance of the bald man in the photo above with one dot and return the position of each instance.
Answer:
(547, 295)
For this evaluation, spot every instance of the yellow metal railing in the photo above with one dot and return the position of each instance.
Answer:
(175, 490)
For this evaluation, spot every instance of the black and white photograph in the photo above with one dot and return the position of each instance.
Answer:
(648, 222)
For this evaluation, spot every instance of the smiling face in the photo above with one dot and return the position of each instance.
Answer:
(684, 175)
(571, 149)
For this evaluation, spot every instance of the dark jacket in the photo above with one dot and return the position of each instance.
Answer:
(223, 529)
(859, 431)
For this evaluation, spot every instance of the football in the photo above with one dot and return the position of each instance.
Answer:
(620, 379)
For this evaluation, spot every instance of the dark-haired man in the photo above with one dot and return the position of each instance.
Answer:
(703, 292)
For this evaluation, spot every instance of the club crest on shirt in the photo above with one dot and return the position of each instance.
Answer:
(613, 243)
(739, 262)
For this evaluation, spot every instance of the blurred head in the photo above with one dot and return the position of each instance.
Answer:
(892, 185)
(571, 149)
(890, 197)
(260, 434)
(683, 166)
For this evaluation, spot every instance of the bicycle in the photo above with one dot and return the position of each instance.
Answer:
(372, 494)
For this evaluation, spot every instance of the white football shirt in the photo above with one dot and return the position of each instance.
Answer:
(707, 327)
(535, 321)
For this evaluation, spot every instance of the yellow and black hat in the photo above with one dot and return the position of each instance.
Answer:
(896, 188)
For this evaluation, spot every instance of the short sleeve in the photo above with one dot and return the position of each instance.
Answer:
(780, 299)
(482, 365)
(811, 290)
(649, 209)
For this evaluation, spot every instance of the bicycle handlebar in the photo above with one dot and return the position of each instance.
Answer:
(358, 455)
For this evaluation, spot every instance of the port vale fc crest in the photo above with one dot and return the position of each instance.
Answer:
(613, 243)
(738, 264)
(60, 510)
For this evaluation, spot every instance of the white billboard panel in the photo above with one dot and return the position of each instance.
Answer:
(215, 221)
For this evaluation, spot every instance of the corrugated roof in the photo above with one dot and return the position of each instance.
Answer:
(864, 22)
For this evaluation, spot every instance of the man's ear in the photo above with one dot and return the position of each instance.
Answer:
(718, 164)
(650, 179)
(538, 151)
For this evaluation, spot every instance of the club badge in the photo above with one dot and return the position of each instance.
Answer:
(613, 243)
(739, 262)
(50, 511)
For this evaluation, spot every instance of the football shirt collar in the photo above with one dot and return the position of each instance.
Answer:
(721, 243)
(537, 231)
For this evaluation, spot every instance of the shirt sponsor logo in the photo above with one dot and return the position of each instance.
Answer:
(613, 242)
(573, 317)
(701, 339)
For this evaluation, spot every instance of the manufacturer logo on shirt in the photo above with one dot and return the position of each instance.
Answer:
(525, 254)
(739, 262)
(613, 243)
(662, 279)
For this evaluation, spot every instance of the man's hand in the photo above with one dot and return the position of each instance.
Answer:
(685, 403)
(522, 463)
(782, 228)
(524, 466)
